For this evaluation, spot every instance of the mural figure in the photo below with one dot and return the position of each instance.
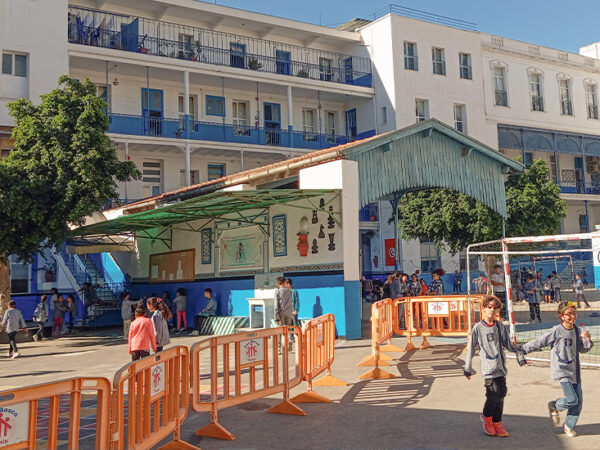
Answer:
(321, 232)
(315, 247)
(330, 221)
(315, 218)
(331, 246)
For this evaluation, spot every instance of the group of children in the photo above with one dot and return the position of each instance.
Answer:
(149, 332)
(566, 340)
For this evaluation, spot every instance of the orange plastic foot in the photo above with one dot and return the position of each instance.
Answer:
(410, 347)
(215, 430)
(371, 361)
(382, 357)
(425, 345)
(391, 348)
(287, 407)
(178, 445)
(376, 373)
(310, 397)
(328, 380)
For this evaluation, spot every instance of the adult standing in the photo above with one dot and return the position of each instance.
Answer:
(283, 306)
(295, 301)
(126, 312)
(499, 287)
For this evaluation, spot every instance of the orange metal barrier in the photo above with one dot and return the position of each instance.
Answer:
(157, 400)
(318, 352)
(437, 316)
(382, 329)
(239, 368)
(19, 408)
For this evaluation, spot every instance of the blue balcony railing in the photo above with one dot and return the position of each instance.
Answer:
(218, 132)
(153, 37)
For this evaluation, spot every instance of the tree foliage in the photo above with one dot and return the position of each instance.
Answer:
(62, 169)
(454, 220)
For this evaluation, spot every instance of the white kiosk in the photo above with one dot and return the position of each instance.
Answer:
(262, 306)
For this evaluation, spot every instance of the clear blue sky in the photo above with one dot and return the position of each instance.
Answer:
(565, 25)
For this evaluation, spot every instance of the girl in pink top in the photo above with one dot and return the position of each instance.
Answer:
(141, 336)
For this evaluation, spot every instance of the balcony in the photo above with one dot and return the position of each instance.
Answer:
(218, 132)
(369, 213)
(153, 37)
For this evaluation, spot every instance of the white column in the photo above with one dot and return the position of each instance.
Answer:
(186, 92)
(126, 159)
(187, 151)
(289, 106)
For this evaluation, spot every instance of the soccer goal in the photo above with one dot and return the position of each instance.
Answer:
(538, 248)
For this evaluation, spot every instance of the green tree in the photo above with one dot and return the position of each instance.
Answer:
(63, 168)
(454, 220)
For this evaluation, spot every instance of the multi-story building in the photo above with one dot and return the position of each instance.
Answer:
(524, 99)
(196, 91)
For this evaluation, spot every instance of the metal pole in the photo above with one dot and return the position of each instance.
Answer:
(509, 304)
(290, 116)
(469, 302)
(126, 159)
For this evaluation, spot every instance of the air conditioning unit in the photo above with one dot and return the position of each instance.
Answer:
(593, 167)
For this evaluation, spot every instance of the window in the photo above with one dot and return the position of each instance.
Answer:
(215, 106)
(499, 76)
(215, 171)
(192, 100)
(411, 59)
(325, 69)
(282, 62)
(330, 127)
(535, 89)
(309, 124)
(464, 62)
(239, 112)
(14, 64)
(566, 105)
(460, 119)
(19, 275)
(383, 115)
(421, 110)
(583, 227)
(186, 48)
(194, 177)
(152, 177)
(430, 257)
(591, 99)
(528, 159)
(439, 63)
(237, 55)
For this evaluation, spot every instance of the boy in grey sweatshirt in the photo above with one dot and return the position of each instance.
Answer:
(566, 341)
(492, 337)
(12, 322)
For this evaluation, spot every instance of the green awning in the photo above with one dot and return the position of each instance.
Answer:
(241, 206)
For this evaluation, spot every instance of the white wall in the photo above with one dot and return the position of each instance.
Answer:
(37, 28)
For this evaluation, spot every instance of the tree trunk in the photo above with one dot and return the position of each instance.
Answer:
(4, 286)
(490, 262)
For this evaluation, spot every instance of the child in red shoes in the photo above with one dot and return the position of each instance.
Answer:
(492, 337)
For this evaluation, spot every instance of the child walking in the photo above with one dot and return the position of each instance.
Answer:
(492, 337)
(578, 288)
(566, 342)
(141, 336)
(12, 322)
(40, 315)
(160, 316)
(180, 304)
(532, 298)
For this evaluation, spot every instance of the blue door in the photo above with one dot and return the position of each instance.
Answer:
(237, 55)
(152, 111)
(129, 36)
(348, 71)
(272, 123)
(351, 123)
(580, 184)
(282, 62)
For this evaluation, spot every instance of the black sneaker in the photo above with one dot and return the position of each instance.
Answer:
(554, 415)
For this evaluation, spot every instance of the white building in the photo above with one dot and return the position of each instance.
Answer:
(260, 89)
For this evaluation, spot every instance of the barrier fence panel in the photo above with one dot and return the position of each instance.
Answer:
(29, 416)
(235, 369)
(382, 330)
(150, 401)
(318, 352)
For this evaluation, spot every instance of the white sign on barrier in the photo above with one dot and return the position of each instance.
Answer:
(456, 306)
(437, 308)
(319, 334)
(14, 424)
(157, 376)
(252, 351)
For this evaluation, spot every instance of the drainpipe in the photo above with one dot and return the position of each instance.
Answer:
(290, 123)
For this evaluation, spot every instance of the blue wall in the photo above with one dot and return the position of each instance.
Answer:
(319, 294)
(26, 303)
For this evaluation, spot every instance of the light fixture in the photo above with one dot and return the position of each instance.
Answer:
(115, 81)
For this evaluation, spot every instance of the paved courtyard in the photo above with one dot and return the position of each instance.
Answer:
(429, 405)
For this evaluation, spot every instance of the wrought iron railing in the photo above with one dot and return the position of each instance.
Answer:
(219, 132)
(501, 98)
(153, 37)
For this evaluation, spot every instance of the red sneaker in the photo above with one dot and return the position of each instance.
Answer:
(500, 431)
(488, 426)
